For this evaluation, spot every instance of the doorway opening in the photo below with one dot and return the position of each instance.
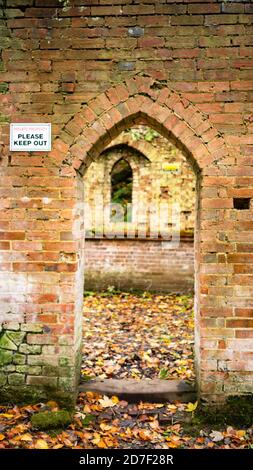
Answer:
(140, 199)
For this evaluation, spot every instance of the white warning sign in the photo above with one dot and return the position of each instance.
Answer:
(30, 137)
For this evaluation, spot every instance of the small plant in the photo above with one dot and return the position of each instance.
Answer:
(86, 378)
(137, 134)
(111, 289)
(150, 135)
(88, 419)
(191, 407)
(88, 293)
(163, 373)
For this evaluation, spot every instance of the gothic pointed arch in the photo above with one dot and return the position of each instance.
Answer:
(139, 100)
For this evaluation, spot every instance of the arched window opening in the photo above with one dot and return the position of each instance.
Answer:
(122, 188)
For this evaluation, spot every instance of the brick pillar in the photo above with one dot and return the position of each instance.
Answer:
(41, 280)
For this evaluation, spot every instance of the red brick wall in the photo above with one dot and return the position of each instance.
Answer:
(139, 264)
(186, 71)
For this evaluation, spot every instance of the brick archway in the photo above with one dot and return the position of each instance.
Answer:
(48, 277)
(138, 99)
(142, 100)
(145, 148)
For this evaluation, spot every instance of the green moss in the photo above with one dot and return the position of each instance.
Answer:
(30, 349)
(3, 379)
(19, 358)
(16, 336)
(4, 87)
(65, 361)
(51, 419)
(24, 394)
(32, 327)
(7, 343)
(27, 369)
(236, 411)
(51, 371)
(4, 119)
(16, 379)
(87, 420)
(5, 357)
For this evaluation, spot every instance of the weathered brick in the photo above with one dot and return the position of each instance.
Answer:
(99, 70)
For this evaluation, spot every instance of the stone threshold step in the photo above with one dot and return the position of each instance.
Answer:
(134, 391)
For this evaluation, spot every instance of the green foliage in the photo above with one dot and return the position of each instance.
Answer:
(51, 419)
(86, 378)
(163, 373)
(111, 290)
(88, 420)
(138, 134)
(5, 357)
(121, 186)
(65, 3)
(150, 135)
(4, 88)
(121, 194)
(135, 134)
(88, 293)
(4, 118)
(236, 411)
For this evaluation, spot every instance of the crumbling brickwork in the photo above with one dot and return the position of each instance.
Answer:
(93, 70)
(162, 177)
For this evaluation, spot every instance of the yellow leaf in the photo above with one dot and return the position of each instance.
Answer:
(106, 402)
(172, 407)
(191, 407)
(108, 427)
(41, 444)
(115, 400)
(105, 427)
(6, 415)
(99, 442)
(52, 404)
(240, 433)
(102, 444)
(2, 437)
(26, 437)
(99, 362)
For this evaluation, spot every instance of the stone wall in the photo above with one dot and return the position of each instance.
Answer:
(94, 70)
(29, 368)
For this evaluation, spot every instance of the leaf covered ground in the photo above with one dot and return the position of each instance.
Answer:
(138, 336)
(132, 336)
(102, 422)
